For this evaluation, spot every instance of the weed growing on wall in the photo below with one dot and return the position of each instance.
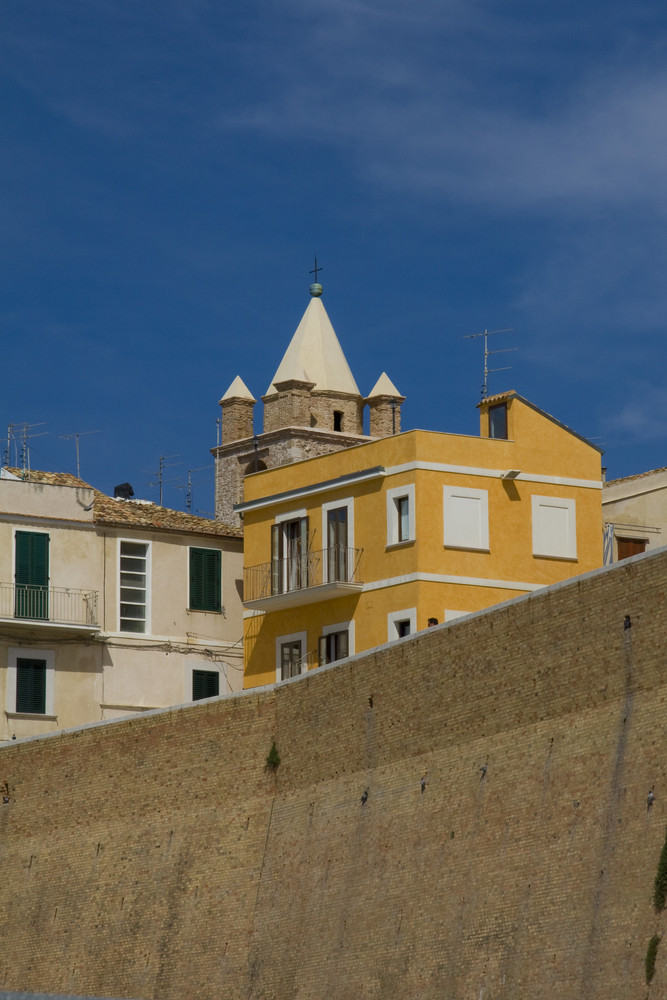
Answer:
(660, 884)
(651, 952)
(272, 758)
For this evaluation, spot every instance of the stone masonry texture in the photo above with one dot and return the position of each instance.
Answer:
(158, 857)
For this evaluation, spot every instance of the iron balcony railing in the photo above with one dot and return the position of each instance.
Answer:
(301, 571)
(62, 605)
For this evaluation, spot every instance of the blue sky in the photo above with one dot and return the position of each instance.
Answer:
(170, 168)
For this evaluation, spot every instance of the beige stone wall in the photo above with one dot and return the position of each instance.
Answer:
(236, 419)
(383, 420)
(325, 404)
(157, 857)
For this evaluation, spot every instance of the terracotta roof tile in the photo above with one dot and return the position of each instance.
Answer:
(637, 475)
(133, 513)
(48, 478)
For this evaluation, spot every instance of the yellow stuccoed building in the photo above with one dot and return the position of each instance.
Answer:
(352, 549)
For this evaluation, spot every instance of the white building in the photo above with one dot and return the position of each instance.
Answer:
(110, 606)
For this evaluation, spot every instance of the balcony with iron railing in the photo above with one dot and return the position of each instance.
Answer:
(61, 608)
(302, 578)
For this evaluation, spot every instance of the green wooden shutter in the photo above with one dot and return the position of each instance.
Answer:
(205, 684)
(31, 686)
(205, 579)
(32, 575)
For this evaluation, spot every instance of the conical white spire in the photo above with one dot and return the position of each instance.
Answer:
(384, 387)
(315, 353)
(238, 390)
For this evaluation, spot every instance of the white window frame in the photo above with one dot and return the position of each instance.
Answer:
(343, 627)
(451, 531)
(290, 515)
(348, 502)
(23, 653)
(301, 637)
(563, 548)
(451, 615)
(149, 584)
(394, 494)
(400, 616)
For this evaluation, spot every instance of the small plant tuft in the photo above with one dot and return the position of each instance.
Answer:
(660, 884)
(651, 952)
(273, 758)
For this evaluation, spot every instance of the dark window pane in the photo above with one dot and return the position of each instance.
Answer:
(31, 686)
(498, 421)
(205, 684)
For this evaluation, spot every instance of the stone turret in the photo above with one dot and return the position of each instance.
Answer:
(384, 404)
(237, 406)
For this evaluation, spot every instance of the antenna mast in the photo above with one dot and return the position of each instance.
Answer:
(159, 478)
(23, 435)
(188, 488)
(487, 353)
(76, 436)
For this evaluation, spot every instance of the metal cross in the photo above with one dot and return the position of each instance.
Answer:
(316, 269)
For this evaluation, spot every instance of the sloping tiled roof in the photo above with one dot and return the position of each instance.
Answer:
(637, 475)
(133, 513)
(48, 478)
(136, 514)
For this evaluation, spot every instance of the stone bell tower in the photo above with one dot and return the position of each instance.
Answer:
(312, 407)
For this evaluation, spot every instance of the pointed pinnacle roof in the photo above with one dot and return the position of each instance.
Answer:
(238, 390)
(315, 351)
(384, 387)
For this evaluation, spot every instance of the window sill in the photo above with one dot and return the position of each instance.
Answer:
(466, 548)
(400, 545)
(31, 715)
(205, 611)
(541, 555)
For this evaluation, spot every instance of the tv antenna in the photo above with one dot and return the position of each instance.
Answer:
(487, 354)
(159, 477)
(76, 435)
(16, 433)
(188, 486)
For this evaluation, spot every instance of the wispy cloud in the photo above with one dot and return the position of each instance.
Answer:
(636, 418)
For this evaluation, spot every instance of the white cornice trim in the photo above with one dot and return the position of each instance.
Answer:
(470, 470)
(395, 470)
(464, 581)
(303, 491)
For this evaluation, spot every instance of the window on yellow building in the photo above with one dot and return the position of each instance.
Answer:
(289, 555)
(401, 623)
(400, 514)
(498, 421)
(337, 554)
(291, 655)
(334, 646)
(554, 528)
(466, 518)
